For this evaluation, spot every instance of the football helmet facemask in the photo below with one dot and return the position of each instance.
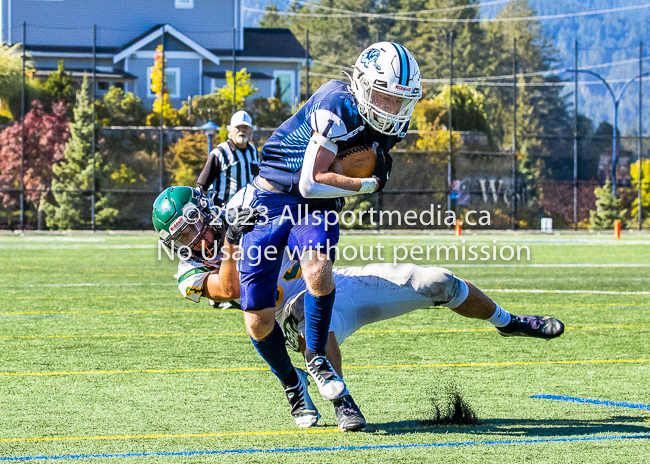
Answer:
(182, 217)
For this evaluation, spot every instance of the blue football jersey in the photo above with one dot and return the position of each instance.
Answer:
(332, 112)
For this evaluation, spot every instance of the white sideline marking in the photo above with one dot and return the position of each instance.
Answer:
(123, 284)
(561, 279)
(555, 265)
(75, 247)
(589, 292)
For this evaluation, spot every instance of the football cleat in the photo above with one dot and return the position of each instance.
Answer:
(329, 384)
(532, 326)
(348, 414)
(302, 407)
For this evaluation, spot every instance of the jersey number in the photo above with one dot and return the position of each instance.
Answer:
(293, 273)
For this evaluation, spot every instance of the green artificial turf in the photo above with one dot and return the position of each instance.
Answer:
(101, 355)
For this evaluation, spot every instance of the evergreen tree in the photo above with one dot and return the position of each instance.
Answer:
(335, 42)
(540, 109)
(607, 208)
(71, 209)
(272, 19)
(58, 87)
(428, 41)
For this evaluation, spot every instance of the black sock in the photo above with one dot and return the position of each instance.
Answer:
(511, 327)
(290, 381)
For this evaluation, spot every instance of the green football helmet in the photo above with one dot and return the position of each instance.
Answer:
(182, 215)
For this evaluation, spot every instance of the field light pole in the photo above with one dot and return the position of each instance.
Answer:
(616, 98)
(451, 131)
(22, 138)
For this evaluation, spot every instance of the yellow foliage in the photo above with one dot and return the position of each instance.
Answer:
(156, 73)
(244, 87)
(433, 137)
(188, 156)
(125, 176)
(645, 189)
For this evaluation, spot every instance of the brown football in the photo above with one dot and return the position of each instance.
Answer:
(356, 162)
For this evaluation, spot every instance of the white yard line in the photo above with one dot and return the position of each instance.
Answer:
(8, 246)
(122, 284)
(586, 292)
(586, 265)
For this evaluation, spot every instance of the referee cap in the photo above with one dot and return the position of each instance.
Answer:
(241, 118)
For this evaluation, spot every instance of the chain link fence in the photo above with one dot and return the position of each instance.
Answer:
(488, 189)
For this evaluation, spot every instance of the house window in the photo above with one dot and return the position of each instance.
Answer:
(283, 86)
(184, 3)
(172, 81)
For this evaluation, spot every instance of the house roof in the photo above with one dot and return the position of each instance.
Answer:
(258, 42)
(155, 32)
(137, 39)
(271, 42)
(254, 75)
(69, 49)
(115, 76)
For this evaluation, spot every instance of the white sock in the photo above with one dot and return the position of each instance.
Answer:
(500, 318)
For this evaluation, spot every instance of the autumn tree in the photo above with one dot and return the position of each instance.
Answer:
(217, 106)
(11, 71)
(162, 103)
(46, 135)
(244, 88)
(641, 175)
(188, 156)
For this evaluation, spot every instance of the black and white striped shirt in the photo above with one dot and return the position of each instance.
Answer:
(228, 169)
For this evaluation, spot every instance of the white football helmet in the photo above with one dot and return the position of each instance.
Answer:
(386, 68)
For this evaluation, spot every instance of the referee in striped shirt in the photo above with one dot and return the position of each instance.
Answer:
(233, 164)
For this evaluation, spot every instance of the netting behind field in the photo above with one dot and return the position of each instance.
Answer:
(132, 167)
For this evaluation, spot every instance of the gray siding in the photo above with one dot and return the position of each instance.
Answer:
(70, 22)
(57, 24)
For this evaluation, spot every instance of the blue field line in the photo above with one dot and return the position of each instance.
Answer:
(310, 449)
(621, 404)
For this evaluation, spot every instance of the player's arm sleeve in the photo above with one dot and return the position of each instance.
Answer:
(190, 283)
(210, 171)
(319, 155)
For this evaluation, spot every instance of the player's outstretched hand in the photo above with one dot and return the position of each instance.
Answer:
(242, 220)
(382, 169)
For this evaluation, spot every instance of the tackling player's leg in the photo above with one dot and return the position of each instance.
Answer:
(478, 305)
(379, 292)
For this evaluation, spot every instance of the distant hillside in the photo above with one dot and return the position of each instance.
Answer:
(602, 39)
